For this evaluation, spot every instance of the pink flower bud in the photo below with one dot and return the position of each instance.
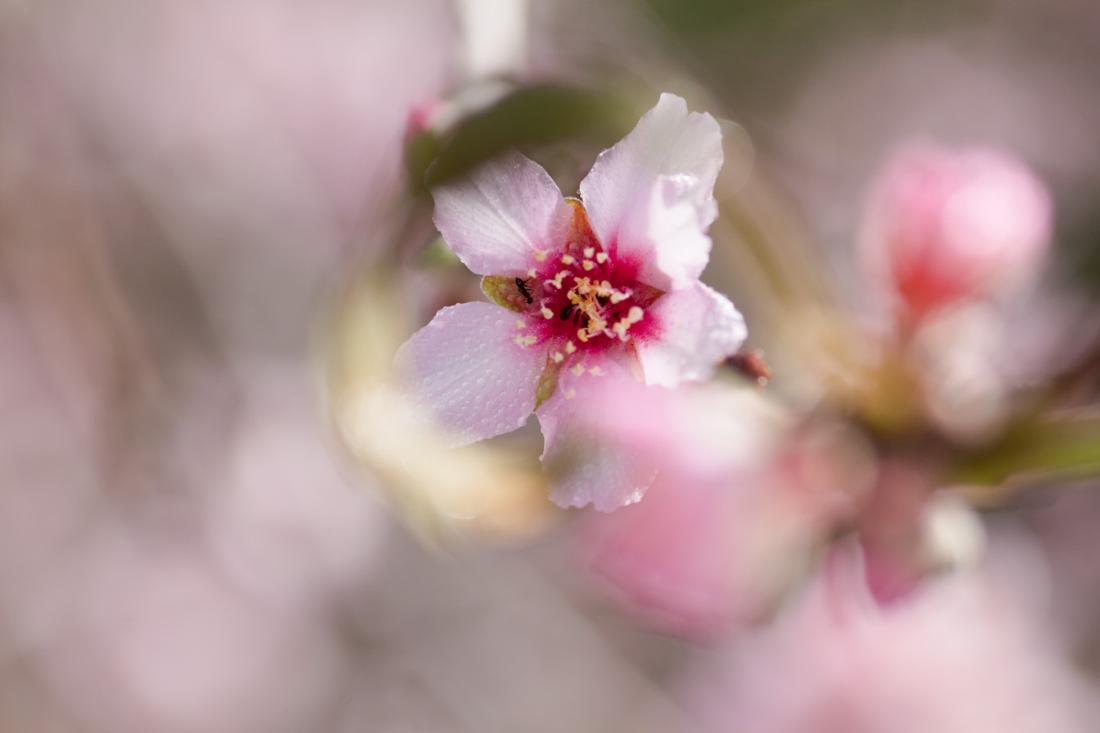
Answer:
(423, 116)
(943, 226)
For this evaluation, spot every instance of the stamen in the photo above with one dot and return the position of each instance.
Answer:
(540, 255)
(569, 393)
(621, 328)
(577, 369)
(525, 341)
(596, 371)
(585, 302)
(557, 281)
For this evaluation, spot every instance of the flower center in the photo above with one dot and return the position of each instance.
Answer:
(581, 297)
(588, 306)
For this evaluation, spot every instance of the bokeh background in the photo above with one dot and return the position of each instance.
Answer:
(215, 228)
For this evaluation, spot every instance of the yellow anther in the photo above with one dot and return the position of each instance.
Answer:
(589, 251)
(569, 393)
(602, 257)
(521, 324)
(557, 281)
(568, 259)
(525, 341)
(531, 272)
(588, 265)
(582, 335)
(596, 371)
(547, 313)
(570, 347)
(619, 296)
(540, 255)
(557, 357)
(634, 315)
(577, 369)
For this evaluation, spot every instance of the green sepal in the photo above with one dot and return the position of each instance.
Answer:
(548, 382)
(502, 290)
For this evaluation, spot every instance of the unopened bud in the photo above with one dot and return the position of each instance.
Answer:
(943, 226)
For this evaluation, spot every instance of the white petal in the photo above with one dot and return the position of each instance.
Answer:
(696, 328)
(667, 142)
(587, 466)
(497, 217)
(466, 368)
(665, 234)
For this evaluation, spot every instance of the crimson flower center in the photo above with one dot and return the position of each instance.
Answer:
(581, 298)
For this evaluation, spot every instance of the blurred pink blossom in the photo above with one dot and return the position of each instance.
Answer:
(582, 292)
(968, 655)
(741, 498)
(943, 225)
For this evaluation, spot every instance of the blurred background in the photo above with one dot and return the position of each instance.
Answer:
(215, 516)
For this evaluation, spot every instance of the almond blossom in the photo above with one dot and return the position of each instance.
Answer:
(604, 287)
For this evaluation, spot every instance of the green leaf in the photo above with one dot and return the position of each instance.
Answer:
(530, 116)
(1064, 445)
(420, 150)
(438, 255)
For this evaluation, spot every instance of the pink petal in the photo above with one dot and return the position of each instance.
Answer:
(673, 557)
(495, 218)
(665, 233)
(697, 328)
(586, 466)
(466, 368)
(671, 158)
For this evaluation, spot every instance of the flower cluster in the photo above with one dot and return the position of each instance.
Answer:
(598, 323)
(726, 529)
